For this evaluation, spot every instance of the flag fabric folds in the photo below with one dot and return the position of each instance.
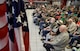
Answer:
(18, 24)
(4, 45)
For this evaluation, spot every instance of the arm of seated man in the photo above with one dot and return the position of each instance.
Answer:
(76, 34)
(57, 41)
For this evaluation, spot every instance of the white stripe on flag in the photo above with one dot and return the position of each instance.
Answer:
(3, 21)
(11, 46)
(19, 38)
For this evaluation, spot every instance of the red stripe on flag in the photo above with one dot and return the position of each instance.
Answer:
(2, 9)
(3, 31)
(26, 41)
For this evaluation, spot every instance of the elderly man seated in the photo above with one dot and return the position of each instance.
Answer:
(60, 41)
(49, 27)
(75, 38)
(72, 27)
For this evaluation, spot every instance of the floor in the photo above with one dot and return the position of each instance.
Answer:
(35, 42)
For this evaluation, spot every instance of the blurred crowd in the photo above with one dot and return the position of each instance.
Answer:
(59, 27)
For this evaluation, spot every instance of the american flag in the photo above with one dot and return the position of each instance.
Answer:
(17, 24)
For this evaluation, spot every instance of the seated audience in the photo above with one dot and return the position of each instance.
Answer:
(50, 18)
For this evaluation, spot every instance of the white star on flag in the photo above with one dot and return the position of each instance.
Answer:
(25, 23)
(18, 19)
(10, 26)
(22, 14)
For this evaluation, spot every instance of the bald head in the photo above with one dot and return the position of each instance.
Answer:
(62, 28)
(52, 20)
